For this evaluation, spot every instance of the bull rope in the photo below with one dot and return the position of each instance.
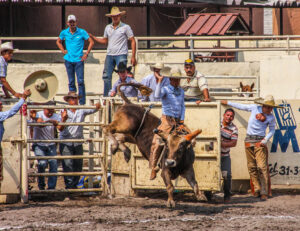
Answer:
(143, 120)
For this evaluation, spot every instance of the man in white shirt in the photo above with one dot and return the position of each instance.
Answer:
(45, 149)
(195, 87)
(116, 35)
(73, 132)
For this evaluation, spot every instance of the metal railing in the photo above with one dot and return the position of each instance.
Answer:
(91, 140)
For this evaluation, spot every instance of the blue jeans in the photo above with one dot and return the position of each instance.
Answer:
(71, 165)
(42, 164)
(78, 68)
(110, 63)
(226, 174)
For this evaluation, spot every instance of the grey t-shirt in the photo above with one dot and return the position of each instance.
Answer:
(45, 132)
(117, 38)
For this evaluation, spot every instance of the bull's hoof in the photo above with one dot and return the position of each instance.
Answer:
(127, 154)
(171, 204)
(201, 197)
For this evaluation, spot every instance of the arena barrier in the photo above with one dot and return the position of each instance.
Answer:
(95, 152)
(126, 178)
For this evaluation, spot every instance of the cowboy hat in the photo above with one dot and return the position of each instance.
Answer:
(43, 86)
(163, 70)
(115, 11)
(267, 101)
(71, 94)
(122, 67)
(7, 46)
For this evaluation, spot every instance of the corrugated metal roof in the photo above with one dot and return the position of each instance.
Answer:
(213, 24)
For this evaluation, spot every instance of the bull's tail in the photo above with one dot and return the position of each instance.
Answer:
(143, 89)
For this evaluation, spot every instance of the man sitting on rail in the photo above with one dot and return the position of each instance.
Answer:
(5, 115)
(45, 149)
(129, 91)
(195, 88)
(256, 142)
(73, 132)
(173, 111)
(7, 51)
(151, 81)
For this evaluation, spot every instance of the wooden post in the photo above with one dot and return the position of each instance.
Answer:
(91, 148)
(24, 161)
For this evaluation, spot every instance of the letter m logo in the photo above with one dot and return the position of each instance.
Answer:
(286, 123)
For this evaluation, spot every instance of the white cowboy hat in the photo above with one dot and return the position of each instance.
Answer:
(7, 46)
(163, 70)
(115, 11)
(267, 101)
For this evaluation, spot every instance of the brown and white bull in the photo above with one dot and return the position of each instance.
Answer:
(178, 157)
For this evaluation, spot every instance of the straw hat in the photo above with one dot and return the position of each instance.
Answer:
(7, 46)
(163, 70)
(43, 86)
(267, 101)
(115, 11)
(71, 94)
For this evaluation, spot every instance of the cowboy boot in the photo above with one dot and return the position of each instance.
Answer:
(155, 156)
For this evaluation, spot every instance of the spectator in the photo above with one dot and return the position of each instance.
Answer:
(152, 80)
(73, 132)
(116, 35)
(129, 91)
(5, 115)
(256, 142)
(74, 58)
(229, 136)
(7, 51)
(195, 87)
(45, 149)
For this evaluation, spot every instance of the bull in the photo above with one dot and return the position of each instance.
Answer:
(133, 124)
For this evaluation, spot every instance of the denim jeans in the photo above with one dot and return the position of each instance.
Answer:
(110, 63)
(71, 165)
(226, 174)
(78, 68)
(42, 164)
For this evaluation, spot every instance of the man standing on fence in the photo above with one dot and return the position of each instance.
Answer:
(195, 87)
(45, 149)
(256, 142)
(5, 115)
(74, 58)
(7, 51)
(116, 35)
(73, 132)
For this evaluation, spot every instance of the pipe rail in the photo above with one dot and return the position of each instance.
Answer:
(64, 157)
(66, 140)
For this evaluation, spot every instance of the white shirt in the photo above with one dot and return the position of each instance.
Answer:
(45, 132)
(75, 132)
(118, 39)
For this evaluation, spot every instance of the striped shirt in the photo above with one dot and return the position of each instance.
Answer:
(228, 133)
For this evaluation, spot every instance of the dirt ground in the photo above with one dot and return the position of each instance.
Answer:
(148, 212)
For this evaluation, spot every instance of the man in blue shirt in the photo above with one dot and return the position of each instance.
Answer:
(256, 141)
(173, 111)
(74, 58)
(129, 91)
(5, 115)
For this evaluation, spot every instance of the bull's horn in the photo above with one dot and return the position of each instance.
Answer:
(192, 135)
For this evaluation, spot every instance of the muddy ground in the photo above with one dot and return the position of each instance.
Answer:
(148, 212)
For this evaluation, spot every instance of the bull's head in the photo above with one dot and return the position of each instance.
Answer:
(178, 145)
